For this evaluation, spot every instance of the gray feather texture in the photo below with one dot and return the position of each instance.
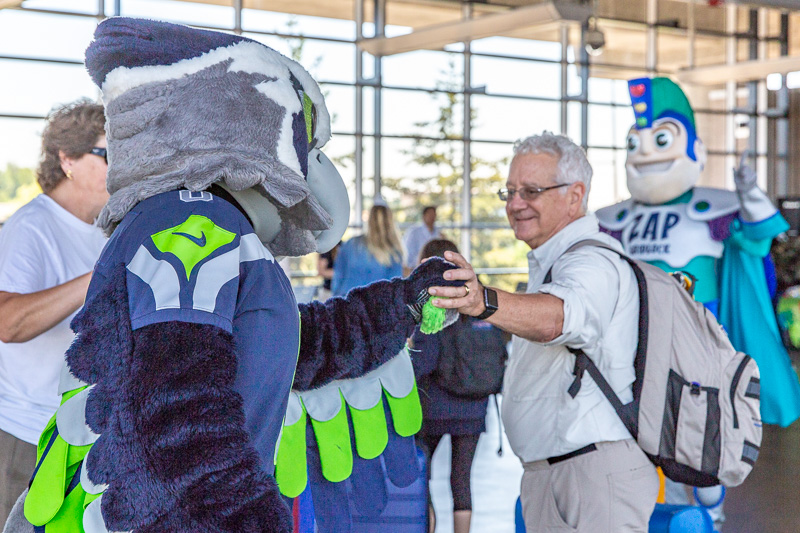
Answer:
(212, 125)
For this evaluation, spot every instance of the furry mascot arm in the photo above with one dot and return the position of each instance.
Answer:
(356, 333)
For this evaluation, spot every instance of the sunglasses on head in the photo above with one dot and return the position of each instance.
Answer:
(100, 152)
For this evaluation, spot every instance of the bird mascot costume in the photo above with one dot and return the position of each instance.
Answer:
(720, 238)
(192, 360)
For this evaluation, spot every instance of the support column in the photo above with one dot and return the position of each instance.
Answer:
(584, 97)
(651, 54)
(782, 185)
(466, 190)
(237, 17)
(691, 32)
(761, 122)
(730, 96)
(564, 77)
(380, 26)
(358, 201)
(752, 94)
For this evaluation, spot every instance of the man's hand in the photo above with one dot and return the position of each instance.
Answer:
(429, 273)
(744, 177)
(466, 298)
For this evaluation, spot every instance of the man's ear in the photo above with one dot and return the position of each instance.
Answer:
(576, 192)
(700, 153)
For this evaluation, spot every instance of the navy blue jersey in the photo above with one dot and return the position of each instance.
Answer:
(193, 257)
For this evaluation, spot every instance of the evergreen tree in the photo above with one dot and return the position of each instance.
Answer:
(442, 155)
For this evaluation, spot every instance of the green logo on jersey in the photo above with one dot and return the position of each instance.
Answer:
(192, 241)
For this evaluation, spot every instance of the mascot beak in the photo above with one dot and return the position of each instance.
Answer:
(328, 188)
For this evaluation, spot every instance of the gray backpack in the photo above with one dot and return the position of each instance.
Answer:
(695, 409)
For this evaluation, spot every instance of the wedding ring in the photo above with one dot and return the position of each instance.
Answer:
(467, 289)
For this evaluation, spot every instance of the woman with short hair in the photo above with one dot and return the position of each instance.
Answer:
(47, 251)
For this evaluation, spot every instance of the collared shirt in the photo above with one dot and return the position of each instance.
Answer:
(601, 310)
(416, 237)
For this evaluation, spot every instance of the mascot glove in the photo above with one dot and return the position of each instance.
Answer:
(428, 274)
(744, 177)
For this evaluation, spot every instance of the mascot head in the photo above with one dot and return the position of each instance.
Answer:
(665, 157)
(189, 108)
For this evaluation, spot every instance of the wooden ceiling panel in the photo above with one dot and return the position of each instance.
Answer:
(625, 41)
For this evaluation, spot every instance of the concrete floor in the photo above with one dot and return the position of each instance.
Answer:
(767, 502)
(495, 483)
(769, 499)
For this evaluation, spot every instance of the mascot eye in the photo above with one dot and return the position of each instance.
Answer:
(633, 142)
(664, 139)
(310, 112)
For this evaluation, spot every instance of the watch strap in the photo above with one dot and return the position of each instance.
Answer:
(489, 295)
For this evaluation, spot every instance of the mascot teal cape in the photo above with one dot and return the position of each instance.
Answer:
(194, 374)
(720, 237)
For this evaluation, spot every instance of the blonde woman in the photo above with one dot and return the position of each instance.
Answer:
(376, 255)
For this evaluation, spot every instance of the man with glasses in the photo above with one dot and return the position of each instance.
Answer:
(583, 471)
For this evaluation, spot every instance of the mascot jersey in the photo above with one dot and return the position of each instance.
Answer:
(720, 237)
(187, 268)
(177, 387)
(191, 257)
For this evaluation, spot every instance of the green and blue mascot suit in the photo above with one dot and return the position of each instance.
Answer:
(195, 380)
(721, 238)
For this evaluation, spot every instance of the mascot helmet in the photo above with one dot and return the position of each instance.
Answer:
(188, 108)
(665, 157)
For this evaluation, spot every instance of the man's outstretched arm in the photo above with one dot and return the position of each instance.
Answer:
(348, 336)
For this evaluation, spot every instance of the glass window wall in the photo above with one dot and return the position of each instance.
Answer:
(518, 85)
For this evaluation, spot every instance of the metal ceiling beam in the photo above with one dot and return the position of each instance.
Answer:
(436, 37)
(774, 4)
(792, 5)
(739, 72)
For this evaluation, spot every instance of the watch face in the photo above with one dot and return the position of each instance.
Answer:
(490, 299)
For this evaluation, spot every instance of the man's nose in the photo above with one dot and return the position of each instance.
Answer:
(515, 202)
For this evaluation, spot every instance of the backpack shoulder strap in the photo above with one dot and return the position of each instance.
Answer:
(584, 363)
(581, 244)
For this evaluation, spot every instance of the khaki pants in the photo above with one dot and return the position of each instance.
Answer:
(17, 461)
(610, 490)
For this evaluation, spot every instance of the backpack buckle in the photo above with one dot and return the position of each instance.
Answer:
(695, 388)
(577, 371)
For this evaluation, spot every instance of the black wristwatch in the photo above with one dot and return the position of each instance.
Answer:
(490, 302)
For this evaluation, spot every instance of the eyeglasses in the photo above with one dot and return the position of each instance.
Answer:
(100, 152)
(526, 193)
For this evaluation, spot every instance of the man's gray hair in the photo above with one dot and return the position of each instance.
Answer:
(572, 163)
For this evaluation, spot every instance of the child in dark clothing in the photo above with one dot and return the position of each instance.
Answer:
(444, 413)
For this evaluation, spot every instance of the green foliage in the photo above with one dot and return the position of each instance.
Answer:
(442, 156)
(17, 183)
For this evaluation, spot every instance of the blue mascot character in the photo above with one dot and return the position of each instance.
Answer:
(721, 238)
(176, 387)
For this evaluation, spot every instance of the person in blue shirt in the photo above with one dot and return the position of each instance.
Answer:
(376, 255)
